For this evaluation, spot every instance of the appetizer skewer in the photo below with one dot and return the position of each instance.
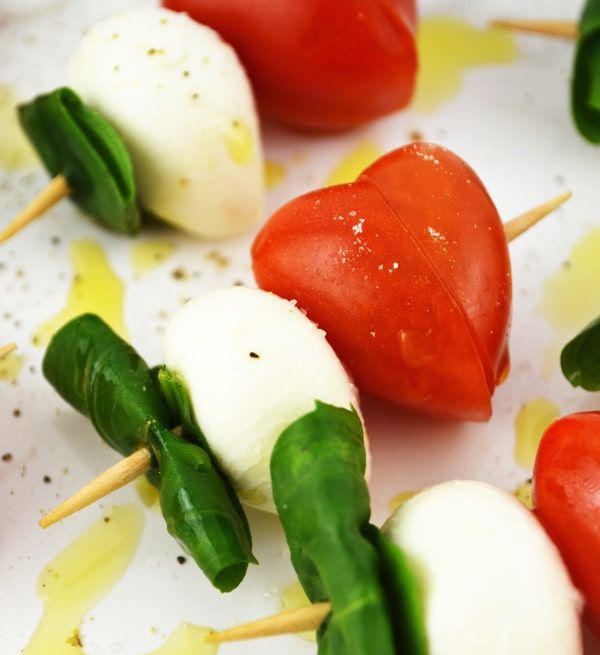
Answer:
(258, 364)
(488, 575)
(413, 255)
(7, 349)
(200, 168)
(138, 463)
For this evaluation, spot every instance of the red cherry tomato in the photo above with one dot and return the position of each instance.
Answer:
(567, 500)
(319, 64)
(407, 271)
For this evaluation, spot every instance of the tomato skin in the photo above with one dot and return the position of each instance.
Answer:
(319, 64)
(397, 310)
(567, 500)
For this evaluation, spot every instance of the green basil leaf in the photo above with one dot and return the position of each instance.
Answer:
(103, 377)
(180, 405)
(77, 142)
(580, 358)
(585, 85)
(403, 595)
(317, 471)
(198, 510)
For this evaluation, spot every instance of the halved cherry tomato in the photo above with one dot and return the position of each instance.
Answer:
(567, 500)
(407, 270)
(319, 64)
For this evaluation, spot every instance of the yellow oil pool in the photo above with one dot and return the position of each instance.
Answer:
(239, 142)
(95, 288)
(294, 598)
(353, 163)
(275, 173)
(10, 367)
(530, 423)
(16, 151)
(148, 255)
(80, 576)
(447, 48)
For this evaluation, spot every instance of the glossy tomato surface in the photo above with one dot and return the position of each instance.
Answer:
(407, 271)
(319, 64)
(567, 500)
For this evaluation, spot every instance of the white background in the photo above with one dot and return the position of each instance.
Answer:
(511, 123)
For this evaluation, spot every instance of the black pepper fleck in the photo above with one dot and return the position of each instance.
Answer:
(7, 457)
(181, 559)
(106, 519)
(254, 355)
(47, 479)
(16, 412)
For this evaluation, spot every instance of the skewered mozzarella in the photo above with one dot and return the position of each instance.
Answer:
(180, 99)
(492, 580)
(253, 364)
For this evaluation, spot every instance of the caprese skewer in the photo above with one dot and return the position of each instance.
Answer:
(242, 365)
(160, 114)
(488, 578)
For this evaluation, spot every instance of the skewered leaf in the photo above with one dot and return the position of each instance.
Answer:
(103, 377)
(317, 470)
(198, 509)
(585, 85)
(77, 142)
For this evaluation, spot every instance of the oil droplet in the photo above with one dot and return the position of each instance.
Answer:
(148, 493)
(16, 151)
(239, 142)
(294, 598)
(80, 576)
(400, 499)
(449, 46)
(571, 296)
(95, 289)
(524, 493)
(148, 255)
(354, 163)
(10, 367)
(274, 173)
(187, 640)
(530, 424)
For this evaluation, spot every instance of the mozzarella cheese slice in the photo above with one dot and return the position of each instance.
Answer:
(493, 583)
(253, 364)
(180, 99)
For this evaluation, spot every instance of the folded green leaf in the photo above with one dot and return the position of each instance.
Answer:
(103, 377)
(77, 142)
(403, 595)
(198, 510)
(180, 406)
(580, 358)
(317, 471)
(585, 85)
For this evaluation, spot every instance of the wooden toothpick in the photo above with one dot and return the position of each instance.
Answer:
(292, 621)
(6, 350)
(56, 190)
(522, 223)
(114, 478)
(564, 29)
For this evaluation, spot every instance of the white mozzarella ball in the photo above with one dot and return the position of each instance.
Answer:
(180, 99)
(253, 364)
(492, 581)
